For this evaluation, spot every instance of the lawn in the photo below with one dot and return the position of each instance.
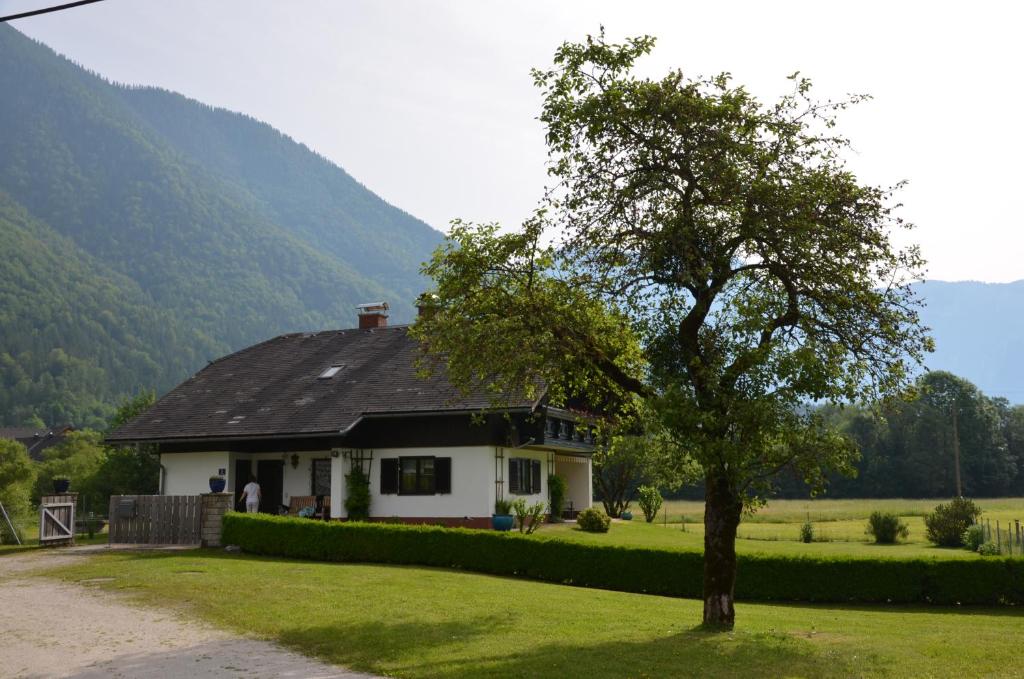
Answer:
(420, 622)
(839, 528)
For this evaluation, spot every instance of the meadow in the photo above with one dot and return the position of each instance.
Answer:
(839, 528)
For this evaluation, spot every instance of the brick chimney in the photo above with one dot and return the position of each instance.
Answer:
(373, 315)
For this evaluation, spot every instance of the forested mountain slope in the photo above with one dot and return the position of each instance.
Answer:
(210, 231)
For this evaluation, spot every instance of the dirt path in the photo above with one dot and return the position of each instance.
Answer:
(52, 629)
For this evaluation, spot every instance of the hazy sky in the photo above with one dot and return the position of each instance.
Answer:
(430, 104)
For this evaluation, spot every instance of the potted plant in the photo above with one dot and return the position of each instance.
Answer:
(217, 483)
(626, 515)
(61, 484)
(502, 518)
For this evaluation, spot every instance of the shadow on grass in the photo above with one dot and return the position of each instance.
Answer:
(447, 650)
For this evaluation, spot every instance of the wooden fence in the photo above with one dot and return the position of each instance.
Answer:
(155, 519)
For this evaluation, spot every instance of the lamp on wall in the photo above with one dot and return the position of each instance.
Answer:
(295, 461)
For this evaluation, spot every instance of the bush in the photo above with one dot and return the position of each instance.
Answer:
(528, 518)
(633, 569)
(650, 501)
(988, 549)
(807, 532)
(357, 502)
(974, 537)
(593, 521)
(946, 525)
(557, 489)
(502, 507)
(887, 527)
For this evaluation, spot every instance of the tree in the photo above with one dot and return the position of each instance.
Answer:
(17, 474)
(712, 258)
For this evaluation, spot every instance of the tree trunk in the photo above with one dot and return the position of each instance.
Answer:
(722, 509)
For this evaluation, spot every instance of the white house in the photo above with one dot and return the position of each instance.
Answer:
(299, 411)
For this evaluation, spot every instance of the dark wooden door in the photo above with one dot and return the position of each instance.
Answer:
(243, 470)
(270, 476)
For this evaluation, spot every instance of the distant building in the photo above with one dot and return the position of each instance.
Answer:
(36, 439)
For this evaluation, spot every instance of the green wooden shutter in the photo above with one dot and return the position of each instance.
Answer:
(443, 474)
(535, 468)
(389, 476)
(513, 475)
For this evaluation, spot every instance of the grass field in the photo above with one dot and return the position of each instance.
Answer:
(420, 622)
(839, 528)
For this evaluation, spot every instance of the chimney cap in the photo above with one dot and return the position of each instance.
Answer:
(372, 307)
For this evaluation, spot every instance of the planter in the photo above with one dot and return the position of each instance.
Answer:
(217, 485)
(61, 485)
(502, 521)
(626, 516)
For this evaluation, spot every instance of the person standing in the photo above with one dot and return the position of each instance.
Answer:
(251, 495)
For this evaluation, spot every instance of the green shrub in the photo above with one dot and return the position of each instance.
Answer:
(557, 489)
(974, 537)
(887, 527)
(988, 549)
(502, 507)
(528, 518)
(650, 501)
(357, 502)
(633, 569)
(807, 532)
(593, 521)
(946, 525)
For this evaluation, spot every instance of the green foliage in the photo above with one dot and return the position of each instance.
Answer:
(528, 519)
(946, 525)
(807, 532)
(357, 500)
(79, 459)
(650, 501)
(593, 520)
(557, 490)
(17, 476)
(974, 537)
(988, 549)
(502, 507)
(631, 569)
(887, 528)
(143, 234)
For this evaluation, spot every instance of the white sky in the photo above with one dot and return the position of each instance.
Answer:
(430, 104)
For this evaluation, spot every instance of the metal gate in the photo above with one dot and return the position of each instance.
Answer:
(155, 519)
(56, 521)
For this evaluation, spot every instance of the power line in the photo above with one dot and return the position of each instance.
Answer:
(47, 10)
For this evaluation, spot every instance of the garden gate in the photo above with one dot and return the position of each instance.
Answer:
(57, 519)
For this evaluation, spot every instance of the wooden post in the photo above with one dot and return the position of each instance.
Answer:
(956, 451)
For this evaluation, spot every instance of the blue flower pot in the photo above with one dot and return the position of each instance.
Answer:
(61, 485)
(626, 516)
(217, 485)
(502, 521)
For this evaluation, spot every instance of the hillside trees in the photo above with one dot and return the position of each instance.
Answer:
(702, 254)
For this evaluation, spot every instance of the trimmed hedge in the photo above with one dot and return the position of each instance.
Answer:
(631, 569)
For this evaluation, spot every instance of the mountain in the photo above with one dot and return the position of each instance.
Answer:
(979, 333)
(143, 233)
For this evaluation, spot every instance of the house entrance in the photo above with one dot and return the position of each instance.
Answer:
(270, 476)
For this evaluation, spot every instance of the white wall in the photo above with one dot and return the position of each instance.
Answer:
(189, 473)
(579, 478)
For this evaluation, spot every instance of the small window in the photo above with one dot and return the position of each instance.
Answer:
(330, 372)
(322, 476)
(416, 476)
(523, 476)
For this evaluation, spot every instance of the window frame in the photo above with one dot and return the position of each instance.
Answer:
(312, 475)
(419, 474)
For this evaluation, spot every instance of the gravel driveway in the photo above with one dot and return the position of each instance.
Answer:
(52, 629)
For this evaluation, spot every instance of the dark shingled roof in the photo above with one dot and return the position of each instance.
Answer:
(273, 389)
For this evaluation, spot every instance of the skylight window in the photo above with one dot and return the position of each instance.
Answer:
(330, 372)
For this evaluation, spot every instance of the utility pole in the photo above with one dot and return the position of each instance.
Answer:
(956, 450)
